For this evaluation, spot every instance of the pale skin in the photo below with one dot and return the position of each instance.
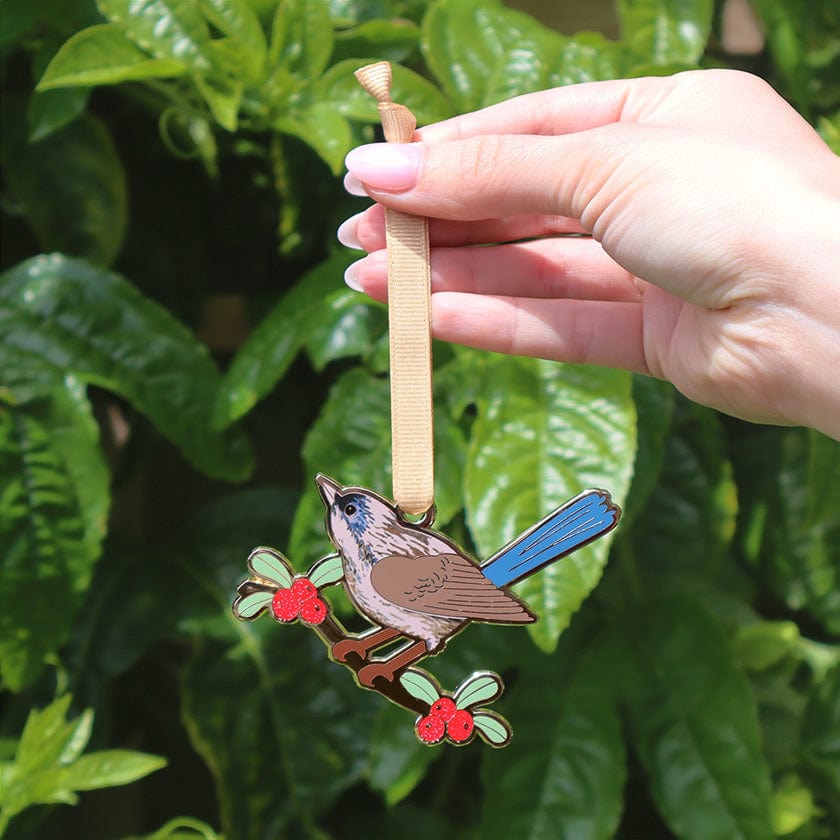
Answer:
(710, 254)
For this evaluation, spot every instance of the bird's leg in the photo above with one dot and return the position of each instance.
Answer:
(361, 646)
(388, 667)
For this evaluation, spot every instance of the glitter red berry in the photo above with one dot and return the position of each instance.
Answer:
(430, 729)
(284, 605)
(313, 610)
(303, 589)
(444, 708)
(461, 726)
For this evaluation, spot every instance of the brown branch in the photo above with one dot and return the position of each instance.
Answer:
(331, 631)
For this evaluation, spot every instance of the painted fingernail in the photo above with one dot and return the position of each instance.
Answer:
(392, 167)
(354, 186)
(346, 233)
(351, 277)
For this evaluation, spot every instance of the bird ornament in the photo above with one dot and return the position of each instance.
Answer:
(414, 586)
(417, 589)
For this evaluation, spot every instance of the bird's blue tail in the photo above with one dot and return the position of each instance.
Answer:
(578, 522)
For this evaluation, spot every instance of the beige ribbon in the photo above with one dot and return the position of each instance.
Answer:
(409, 318)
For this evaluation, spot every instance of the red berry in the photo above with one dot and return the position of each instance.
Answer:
(444, 708)
(460, 727)
(313, 610)
(430, 729)
(284, 605)
(303, 589)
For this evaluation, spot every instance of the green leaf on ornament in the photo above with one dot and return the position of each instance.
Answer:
(327, 571)
(479, 688)
(421, 686)
(270, 565)
(252, 605)
(492, 728)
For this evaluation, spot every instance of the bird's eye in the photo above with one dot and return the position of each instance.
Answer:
(350, 509)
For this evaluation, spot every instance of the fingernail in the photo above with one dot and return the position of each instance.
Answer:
(354, 186)
(392, 167)
(346, 233)
(351, 277)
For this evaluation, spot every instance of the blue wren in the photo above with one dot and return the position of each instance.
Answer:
(413, 582)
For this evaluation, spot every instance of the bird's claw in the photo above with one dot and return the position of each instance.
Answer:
(370, 673)
(346, 648)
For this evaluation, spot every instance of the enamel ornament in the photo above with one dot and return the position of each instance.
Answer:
(413, 584)
(416, 586)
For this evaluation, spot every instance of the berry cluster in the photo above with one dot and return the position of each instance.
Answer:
(457, 716)
(300, 600)
(445, 718)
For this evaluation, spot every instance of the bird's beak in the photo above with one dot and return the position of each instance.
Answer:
(327, 488)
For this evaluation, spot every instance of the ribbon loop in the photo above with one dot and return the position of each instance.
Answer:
(409, 319)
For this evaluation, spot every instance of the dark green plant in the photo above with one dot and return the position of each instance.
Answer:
(180, 158)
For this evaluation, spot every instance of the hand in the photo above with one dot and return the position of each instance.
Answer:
(714, 255)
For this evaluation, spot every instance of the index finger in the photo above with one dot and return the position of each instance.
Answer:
(561, 110)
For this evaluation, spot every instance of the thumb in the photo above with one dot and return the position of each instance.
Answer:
(488, 176)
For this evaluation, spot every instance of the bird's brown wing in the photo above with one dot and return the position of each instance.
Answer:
(446, 585)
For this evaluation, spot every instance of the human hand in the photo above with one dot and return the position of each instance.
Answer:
(714, 255)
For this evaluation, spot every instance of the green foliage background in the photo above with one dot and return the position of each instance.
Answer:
(179, 356)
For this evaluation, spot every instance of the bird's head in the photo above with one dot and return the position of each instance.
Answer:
(354, 515)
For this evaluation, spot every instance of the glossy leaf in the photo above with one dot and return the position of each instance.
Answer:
(53, 109)
(544, 433)
(71, 184)
(223, 97)
(285, 746)
(339, 87)
(302, 37)
(352, 439)
(392, 40)
(761, 645)
(667, 30)
(167, 29)
(693, 721)
(102, 55)
(654, 401)
(790, 521)
(110, 767)
(48, 766)
(106, 333)
(263, 359)
(803, 40)
(793, 806)
(348, 325)
(562, 774)
(509, 53)
(47, 737)
(239, 21)
(322, 127)
(689, 519)
(53, 508)
(397, 761)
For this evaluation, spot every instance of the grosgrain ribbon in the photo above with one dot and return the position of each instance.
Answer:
(409, 318)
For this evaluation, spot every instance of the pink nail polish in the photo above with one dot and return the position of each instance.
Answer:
(354, 186)
(351, 277)
(346, 233)
(390, 167)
